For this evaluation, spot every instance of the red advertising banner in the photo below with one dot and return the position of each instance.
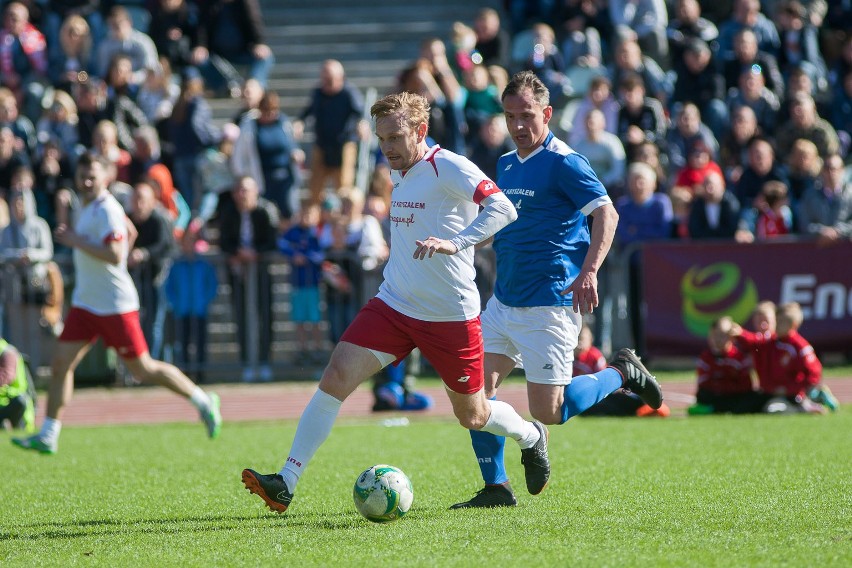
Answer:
(687, 286)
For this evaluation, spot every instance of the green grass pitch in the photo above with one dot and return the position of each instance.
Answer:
(709, 491)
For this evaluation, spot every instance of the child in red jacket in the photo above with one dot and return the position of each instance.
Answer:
(724, 375)
(786, 365)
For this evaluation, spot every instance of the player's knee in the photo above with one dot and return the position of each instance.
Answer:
(335, 381)
(472, 420)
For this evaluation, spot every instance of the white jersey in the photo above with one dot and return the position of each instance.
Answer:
(103, 288)
(437, 197)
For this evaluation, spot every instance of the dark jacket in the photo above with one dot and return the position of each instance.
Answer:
(264, 220)
(729, 217)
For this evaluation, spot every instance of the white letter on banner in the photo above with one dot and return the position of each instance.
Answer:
(833, 294)
(799, 288)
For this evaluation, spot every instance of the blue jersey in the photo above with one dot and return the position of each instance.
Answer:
(540, 254)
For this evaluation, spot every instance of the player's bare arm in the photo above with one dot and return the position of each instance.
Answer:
(585, 286)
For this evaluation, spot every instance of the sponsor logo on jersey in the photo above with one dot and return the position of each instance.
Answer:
(464, 379)
(407, 221)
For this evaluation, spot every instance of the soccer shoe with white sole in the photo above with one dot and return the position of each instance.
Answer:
(212, 417)
(536, 463)
(637, 378)
(490, 496)
(271, 488)
(37, 444)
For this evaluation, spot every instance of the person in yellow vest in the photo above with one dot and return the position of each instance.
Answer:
(17, 404)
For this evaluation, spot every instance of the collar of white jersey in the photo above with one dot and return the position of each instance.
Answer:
(429, 156)
(540, 148)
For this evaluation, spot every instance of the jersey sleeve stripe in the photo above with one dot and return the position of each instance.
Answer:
(594, 204)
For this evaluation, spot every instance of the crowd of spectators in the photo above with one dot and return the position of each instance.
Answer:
(724, 121)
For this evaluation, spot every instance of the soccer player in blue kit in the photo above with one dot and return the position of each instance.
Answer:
(547, 265)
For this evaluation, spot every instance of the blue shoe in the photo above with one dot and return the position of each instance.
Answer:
(390, 396)
(417, 401)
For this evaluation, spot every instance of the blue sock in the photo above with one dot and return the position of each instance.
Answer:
(586, 391)
(489, 453)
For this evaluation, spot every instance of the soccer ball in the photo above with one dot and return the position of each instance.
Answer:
(383, 493)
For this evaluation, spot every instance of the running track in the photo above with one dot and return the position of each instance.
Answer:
(285, 400)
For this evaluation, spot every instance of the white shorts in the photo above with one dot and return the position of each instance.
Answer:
(541, 339)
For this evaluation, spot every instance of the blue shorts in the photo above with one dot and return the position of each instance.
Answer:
(305, 304)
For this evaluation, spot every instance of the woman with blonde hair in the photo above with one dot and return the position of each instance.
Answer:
(71, 62)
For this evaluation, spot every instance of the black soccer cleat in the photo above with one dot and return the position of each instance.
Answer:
(636, 377)
(271, 488)
(490, 496)
(536, 463)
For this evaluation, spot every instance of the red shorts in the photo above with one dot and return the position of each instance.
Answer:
(453, 348)
(122, 332)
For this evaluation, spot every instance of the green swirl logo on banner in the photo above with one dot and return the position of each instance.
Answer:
(714, 291)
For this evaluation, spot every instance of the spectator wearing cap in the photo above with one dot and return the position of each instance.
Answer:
(699, 83)
(747, 56)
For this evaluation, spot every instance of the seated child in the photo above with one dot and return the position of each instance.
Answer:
(788, 370)
(724, 375)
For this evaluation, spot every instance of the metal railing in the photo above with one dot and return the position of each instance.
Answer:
(164, 331)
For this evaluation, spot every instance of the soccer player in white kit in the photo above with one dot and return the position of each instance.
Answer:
(105, 304)
(428, 298)
(547, 264)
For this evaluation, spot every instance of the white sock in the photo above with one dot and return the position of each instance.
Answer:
(314, 427)
(50, 430)
(200, 399)
(504, 421)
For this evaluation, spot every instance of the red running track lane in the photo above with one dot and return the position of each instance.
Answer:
(278, 401)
